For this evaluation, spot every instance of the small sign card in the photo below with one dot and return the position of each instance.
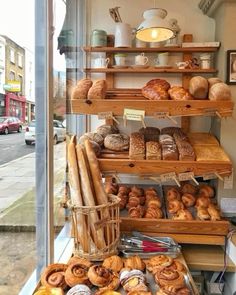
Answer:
(161, 115)
(209, 176)
(185, 176)
(105, 115)
(169, 176)
(134, 115)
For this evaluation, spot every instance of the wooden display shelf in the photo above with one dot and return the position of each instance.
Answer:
(154, 167)
(154, 49)
(189, 232)
(151, 107)
(148, 70)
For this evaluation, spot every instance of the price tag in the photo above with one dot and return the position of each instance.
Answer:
(186, 176)
(105, 115)
(209, 176)
(134, 115)
(168, 176)
(228, 181)
(161, 115)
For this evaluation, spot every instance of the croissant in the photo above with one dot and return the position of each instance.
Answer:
(202, 213)
(154, 203)
(113, 262)
(188, 199)
(183, 214)
(189, 189)
(99, 276)
(76, 273)
(202, 202)
(123, 201)
(79, 289)
(49, 291)
(171, 278)
(136, 212)
(214, 212)
(134, 262)
(134, 201)
(138, 190)
(207, 191)
(172, 194)
(158, 261)
(54, 276)
(124, 189)
(174, 206)
(153, 213)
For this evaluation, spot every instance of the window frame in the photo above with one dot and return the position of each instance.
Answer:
(12, 57)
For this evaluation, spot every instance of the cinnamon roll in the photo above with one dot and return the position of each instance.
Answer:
(77, 273)
(54, 276)
(100, 276)
(113, 262)
(134, 262)
(158, 261)
(172, 279)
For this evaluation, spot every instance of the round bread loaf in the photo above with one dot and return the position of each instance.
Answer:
(92, 136)
(96, 147)
(160, 82)
(212, 81)
(105, 129)
(220, 91)
(198, 87)
(117, 142)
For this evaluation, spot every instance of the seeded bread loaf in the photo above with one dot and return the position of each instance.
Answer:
(150, 133)
(117, 142)
(153, 150)
(137, 146)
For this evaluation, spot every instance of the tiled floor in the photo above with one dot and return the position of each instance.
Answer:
(17, 260)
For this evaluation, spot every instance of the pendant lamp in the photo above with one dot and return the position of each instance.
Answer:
(154, 28)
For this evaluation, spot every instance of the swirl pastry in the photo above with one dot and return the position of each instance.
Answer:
(183, 214)
(172, 194)
(189, 189)
(80, 290)
(79, 260)
(177, 265)
(113, 262)
(154, 203)
(99, 276)
(158, 261)
(171, 278)
(202, 202)
(54, 276)
(76, 273)
(207, 191)
(153, 213)
(133, 280)
(188, 200)
(174, 206)
(136, 212)
(134, 262)
(49, 291)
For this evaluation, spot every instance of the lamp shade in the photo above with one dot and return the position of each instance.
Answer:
(154, 28)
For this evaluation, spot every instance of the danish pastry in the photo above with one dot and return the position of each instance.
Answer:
(171, 278)
(102, 277)
(158, 261)
(133, 280)
(76, 273)
(134, 262)
(54, 276)
(113, 262)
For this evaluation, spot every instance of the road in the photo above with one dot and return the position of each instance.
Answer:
(12, 146)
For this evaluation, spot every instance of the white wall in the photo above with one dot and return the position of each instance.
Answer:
(2, 64)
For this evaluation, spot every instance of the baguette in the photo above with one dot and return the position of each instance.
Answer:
(88, 198)
(76, 195)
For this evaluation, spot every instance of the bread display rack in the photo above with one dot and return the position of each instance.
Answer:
(199, 232)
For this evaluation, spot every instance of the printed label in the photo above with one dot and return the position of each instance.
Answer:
(161, 115)
(185, 176)
(134, 115)
(105, 115)
(168, 176)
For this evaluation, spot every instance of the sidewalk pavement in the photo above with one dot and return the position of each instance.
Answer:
(17, 182)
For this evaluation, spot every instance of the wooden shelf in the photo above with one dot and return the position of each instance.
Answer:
(154, 167)
(156, 49)
(149, 70)
(151, 107)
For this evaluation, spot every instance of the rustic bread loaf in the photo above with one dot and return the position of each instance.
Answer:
(106, 129)
(92, 136)
(220, 91)
(117, 142)
(98, 90)
(166, 139)
(169, 152)
(137, 146)
(150, 133)
(179, 93)
(159, 82)
(212, 81)
(198, 87)
(153, 150)
(186, 151)
(80, 91)
(171, 130)
(155, 92)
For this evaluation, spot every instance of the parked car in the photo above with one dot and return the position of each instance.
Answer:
(59, 132)
(10, 124)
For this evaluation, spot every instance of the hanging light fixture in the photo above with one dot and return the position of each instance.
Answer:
(154, 28)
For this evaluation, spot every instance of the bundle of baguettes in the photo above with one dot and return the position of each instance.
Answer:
(87, 190)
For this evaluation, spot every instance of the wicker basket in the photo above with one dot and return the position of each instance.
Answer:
(108, 223)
